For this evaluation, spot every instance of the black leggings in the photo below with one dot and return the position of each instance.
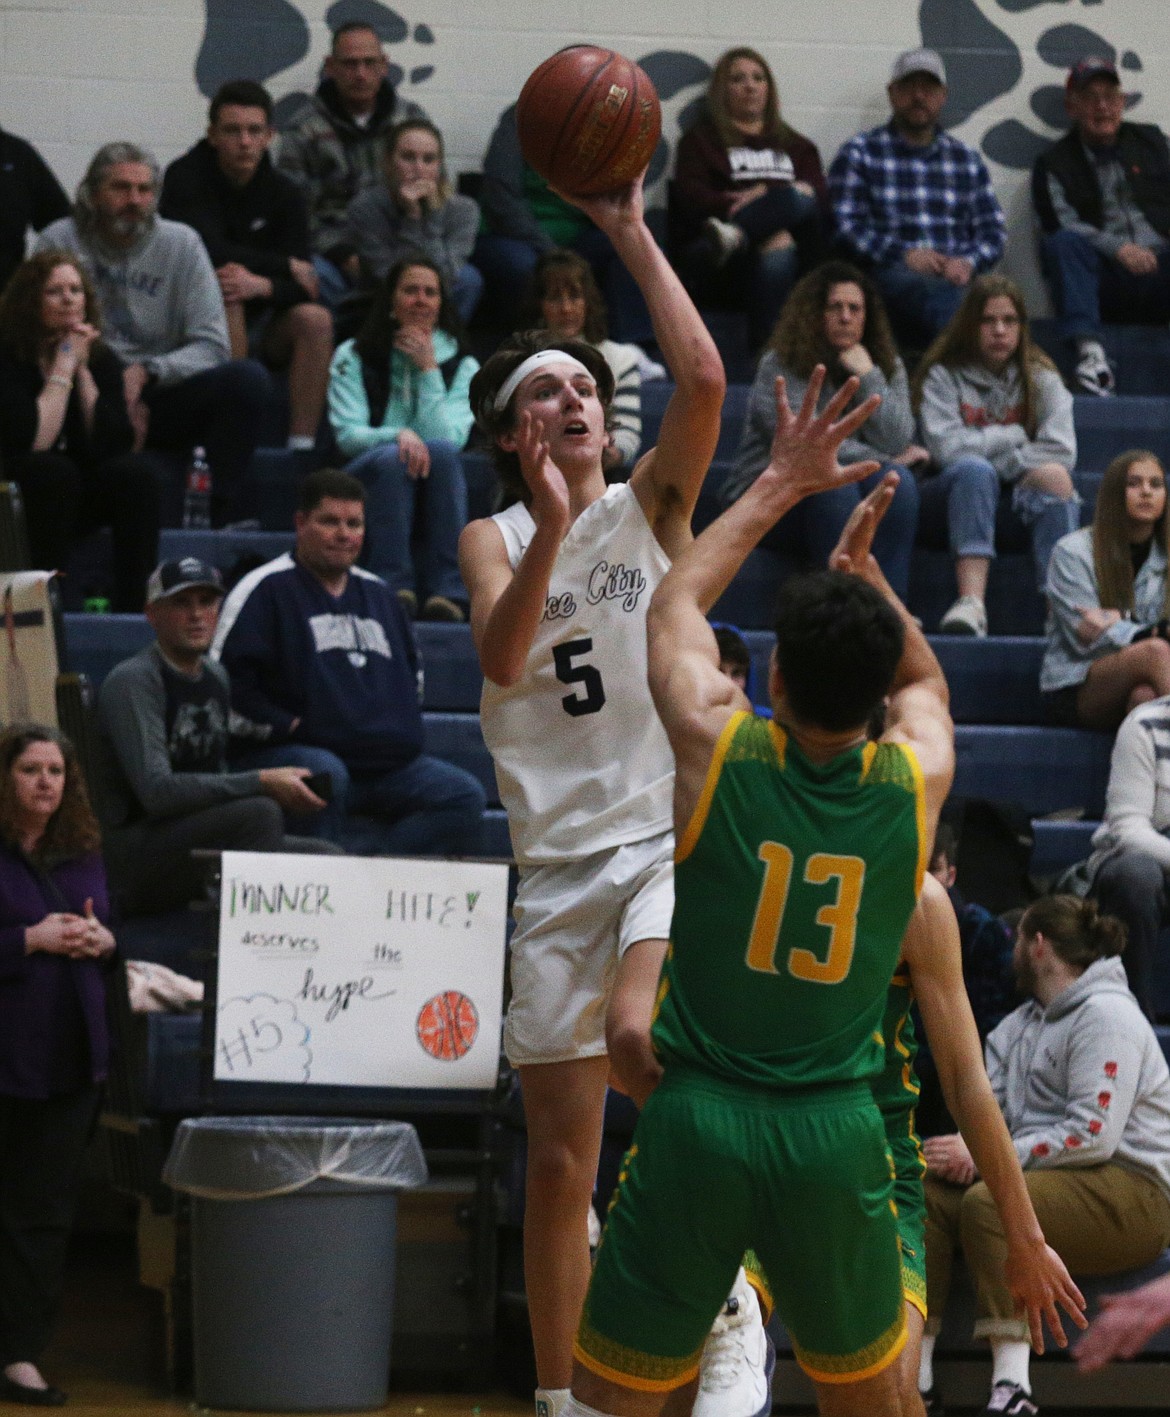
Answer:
(63, 502)
(42, 1145)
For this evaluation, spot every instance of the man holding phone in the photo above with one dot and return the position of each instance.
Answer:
(164, 785)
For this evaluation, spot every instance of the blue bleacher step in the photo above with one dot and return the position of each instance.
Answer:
(1106, 427)
(1057, 845)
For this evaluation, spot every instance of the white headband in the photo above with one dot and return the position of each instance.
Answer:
(532, 363)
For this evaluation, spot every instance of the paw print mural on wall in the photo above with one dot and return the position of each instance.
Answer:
(985, 62)
(273, 35)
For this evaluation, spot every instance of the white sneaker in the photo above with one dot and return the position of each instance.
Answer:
(1093, 371)
(735, 1371)
(968, 616)
(551, 1401)
(725, 237)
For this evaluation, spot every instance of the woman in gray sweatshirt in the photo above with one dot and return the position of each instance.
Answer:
(997, 421)
(416, 210)
(1084, 1088)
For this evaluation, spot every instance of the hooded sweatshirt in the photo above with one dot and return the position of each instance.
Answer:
(1084, 1081)
(969, 411)
(160, 301)
(332, 157)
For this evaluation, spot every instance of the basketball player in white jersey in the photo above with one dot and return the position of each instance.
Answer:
(560, 583)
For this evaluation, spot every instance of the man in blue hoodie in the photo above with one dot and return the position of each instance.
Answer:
(325, 675)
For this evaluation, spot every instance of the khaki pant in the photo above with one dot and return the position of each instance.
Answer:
(1098, 1219)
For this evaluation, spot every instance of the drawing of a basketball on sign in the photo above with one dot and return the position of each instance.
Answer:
(448, 1025)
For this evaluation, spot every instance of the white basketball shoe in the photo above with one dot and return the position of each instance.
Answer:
(735, 1371)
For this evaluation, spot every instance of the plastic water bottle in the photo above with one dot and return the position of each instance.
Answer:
(197, 496)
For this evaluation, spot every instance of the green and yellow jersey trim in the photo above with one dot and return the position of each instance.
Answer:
(694, 828)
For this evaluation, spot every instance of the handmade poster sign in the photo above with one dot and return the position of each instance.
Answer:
(360, 972)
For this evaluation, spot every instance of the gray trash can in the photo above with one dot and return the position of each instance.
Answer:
(293, 1223)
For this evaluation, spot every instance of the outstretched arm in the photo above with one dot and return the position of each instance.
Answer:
(507, 604)
(667, 480)
(919, 704)
(1035, 1273)
(694, 700)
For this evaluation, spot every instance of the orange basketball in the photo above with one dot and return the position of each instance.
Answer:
(448, 1025)
(588, 120)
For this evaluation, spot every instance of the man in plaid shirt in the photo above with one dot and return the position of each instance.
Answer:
(916, 205)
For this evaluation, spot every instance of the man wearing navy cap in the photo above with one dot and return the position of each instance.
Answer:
(1102, 197)
(165, 788)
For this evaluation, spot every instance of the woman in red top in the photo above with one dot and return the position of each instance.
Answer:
(749, 194)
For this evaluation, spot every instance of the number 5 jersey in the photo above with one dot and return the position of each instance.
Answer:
(582, 761)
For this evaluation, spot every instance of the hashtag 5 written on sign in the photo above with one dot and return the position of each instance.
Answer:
(359, 972)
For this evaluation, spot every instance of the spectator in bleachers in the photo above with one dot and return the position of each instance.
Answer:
(398, 403)
(54, 1041)
(998, 423)
(835, 317)
(1131, 848)
(332, 149)
(564, 299)
(1102, 196)
(165, 791)
(749, 197)
(917, 204)
(65, 432)
(164, 319)
(1108, 646)
(523, 218)
(986, 945)
(414, 210)
(1084, 1088)
(255, 226)
(325, 675)
(30, 198)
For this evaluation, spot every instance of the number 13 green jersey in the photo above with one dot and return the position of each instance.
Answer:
(794, 883)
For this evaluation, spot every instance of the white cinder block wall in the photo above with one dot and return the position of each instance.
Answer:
(77, 73)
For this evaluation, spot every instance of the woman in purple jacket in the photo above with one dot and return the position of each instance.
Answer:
(54, 1045)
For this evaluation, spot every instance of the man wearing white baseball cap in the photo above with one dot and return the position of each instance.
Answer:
(915, 205)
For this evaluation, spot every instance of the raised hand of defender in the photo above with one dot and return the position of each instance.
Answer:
(854, 549)
(1040, 1284)
(804, 450)
(546, 482)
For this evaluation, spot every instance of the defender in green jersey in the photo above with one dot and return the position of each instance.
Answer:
(800, 853)
(930, 973)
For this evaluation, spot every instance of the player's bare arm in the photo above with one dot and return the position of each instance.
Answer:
(919, 710)
(1035, 1273)
(506, 604)
(694, 699)
(668, 478)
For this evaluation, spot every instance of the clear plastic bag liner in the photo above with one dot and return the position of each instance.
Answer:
(249, 1158)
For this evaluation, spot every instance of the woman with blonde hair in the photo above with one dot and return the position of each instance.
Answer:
(1108, 628)
(835, 317)
(749, 197)
(416, 210)
(997, 421)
